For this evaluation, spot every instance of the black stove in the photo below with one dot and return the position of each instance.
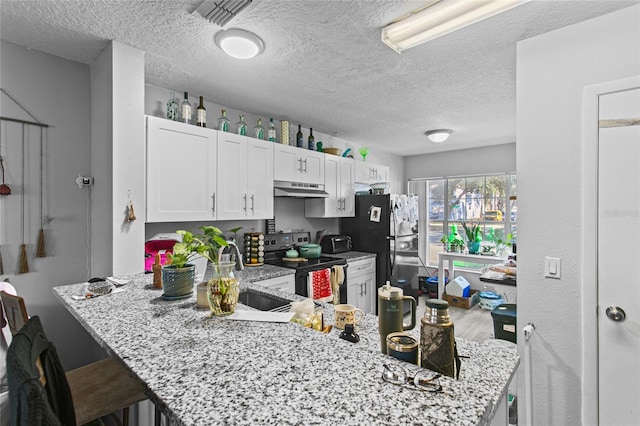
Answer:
(275, 248)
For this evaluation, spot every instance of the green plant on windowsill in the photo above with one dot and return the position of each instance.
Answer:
(473, 231)
(474, 235)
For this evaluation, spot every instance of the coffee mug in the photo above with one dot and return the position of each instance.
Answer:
(346, 314)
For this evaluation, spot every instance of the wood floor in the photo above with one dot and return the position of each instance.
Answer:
(473, 324)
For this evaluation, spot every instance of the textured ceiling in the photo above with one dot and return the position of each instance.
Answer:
(324, 65)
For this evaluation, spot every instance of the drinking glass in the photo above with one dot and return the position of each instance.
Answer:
(364, 151)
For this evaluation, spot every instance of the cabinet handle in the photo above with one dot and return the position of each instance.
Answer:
(342, 203)
(305, 165)
(253, 202)
(213, 198)
(245, 202)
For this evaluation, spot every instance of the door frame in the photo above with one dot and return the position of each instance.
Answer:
(590, 137)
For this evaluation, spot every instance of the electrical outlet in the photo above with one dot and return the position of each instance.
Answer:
(552, 267)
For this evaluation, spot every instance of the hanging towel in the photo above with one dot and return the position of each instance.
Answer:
(337, 278)
(319, 285)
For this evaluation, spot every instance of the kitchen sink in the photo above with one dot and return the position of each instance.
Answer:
(262, 301)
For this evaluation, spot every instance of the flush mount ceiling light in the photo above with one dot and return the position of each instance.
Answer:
(439, 135)
(238, 43)
(439, 18)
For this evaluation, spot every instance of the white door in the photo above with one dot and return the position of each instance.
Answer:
(181, 172)
(232, 176)
(260, 179)
(618, 259)
(347, 187)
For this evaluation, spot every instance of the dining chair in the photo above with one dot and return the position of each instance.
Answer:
(96, 390)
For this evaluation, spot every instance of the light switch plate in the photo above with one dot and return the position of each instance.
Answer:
(552, 267)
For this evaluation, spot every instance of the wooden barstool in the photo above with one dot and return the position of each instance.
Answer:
(97, 389)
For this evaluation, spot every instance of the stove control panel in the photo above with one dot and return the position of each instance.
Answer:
(275, 242)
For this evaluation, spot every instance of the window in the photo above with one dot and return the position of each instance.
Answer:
(490, 200)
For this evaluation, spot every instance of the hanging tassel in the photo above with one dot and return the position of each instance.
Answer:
(41, 252)
(24, 265)
(132, 214)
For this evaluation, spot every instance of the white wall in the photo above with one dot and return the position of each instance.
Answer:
(57, 91)
(477, 161)
(553, 69)
(118, 160)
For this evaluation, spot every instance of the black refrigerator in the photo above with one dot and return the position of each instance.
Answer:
(387, 225)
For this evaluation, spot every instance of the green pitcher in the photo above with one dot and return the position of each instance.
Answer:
(390, 312)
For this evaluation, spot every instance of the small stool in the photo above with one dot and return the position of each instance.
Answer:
(504, 322)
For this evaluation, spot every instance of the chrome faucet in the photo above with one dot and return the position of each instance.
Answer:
(234, 247)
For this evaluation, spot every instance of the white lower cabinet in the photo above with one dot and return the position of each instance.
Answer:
(181, 172)
(285, 283)
(245, 177)
(361, 284)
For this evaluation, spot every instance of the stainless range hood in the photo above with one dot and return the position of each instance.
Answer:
(299, 190)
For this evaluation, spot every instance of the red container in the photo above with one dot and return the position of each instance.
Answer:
(162, 244)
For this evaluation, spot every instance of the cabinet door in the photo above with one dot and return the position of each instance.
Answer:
(286, 283)
(347, 188)
(354, 288)
(312, 167)
(287, 163)
(368, 298)
(363, 172)
(380, 173)
(233, 200)
(361, 284)
(260, 179)
(181, 172)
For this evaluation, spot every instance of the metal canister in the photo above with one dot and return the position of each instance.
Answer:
(437, 338)
(403, 347)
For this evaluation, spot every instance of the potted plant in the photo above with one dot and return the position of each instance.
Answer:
(178, 275)
(474, 236)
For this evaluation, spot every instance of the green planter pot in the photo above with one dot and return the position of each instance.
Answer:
(474, 247)
(177, 283)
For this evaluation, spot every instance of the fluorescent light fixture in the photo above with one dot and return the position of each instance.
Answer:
(439, 18)
(238, 43)
(439, 135)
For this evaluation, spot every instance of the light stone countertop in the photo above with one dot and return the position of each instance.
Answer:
(204, 370)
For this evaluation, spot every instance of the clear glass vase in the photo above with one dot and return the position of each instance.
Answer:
(223, 289)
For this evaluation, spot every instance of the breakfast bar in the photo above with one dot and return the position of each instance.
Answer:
(204, 370)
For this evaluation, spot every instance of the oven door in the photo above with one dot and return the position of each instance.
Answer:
(302, 281)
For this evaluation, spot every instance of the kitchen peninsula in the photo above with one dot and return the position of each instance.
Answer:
(203, 370)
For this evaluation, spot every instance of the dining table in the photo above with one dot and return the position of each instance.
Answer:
(201, 369)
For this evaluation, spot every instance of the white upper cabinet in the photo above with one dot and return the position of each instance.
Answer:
(245, 177)
(300, 165)
(339, 183)
(181, 171)
(371, 173)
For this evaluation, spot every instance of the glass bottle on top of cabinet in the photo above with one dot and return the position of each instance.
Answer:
(201, 114)
(259, 130)
(272, 131)
(185, 109)
(172, 108)
(312, 140)
(223, 122)
(299, 140)
(241, 126)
